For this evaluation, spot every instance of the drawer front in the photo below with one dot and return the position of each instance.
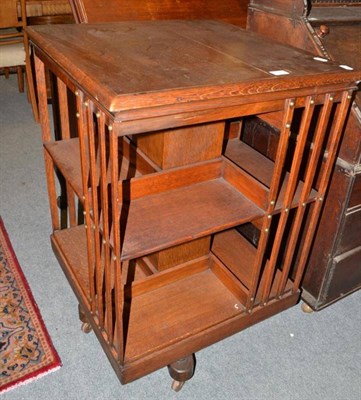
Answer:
(355, 197)
(345, 275)
(350, 236)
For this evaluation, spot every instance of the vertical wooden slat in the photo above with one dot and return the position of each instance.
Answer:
(65, 134)
(117, 265)
(63, 109)
(30, 78)
(46, 135)
(287, 201)
(70, 198)
(43, 99)
(83, 139)
(95, 209)
(281, 152)
(310, 173)
(332, 149)
(105, 218)
(272, 197)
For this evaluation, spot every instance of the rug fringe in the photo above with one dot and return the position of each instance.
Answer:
(30, 379)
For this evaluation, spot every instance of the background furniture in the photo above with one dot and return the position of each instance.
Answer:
(41, 12)
(14, 47)
(151, 247)
(331, 30)
(232, 11)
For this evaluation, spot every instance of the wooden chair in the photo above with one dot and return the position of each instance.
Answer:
(14, 47)
(44, 12)
(89, 11)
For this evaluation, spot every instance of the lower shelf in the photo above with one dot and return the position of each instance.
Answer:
(178, 310)
(171, 314)
(70, 248)
(235, 251)
(164, 308)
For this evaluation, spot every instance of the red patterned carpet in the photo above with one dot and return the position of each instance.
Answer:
(26, 351)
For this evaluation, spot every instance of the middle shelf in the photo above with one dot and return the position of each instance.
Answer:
(162, 209)
(172, 207)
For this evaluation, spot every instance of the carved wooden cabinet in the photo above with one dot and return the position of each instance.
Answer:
(330, 30)
(150, 242)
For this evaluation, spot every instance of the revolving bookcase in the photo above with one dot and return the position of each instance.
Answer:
(155, 182)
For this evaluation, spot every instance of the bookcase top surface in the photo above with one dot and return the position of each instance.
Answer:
(140, 64)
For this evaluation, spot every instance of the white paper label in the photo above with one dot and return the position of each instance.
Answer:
(346, 67)
(320, 59)
(279, 72)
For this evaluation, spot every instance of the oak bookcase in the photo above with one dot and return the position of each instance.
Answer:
(155, 181)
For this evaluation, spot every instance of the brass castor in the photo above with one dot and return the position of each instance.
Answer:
(306, 308)
(181, 371)
(177, 385)
(85, 326)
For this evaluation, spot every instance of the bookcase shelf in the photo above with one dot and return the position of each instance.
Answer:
(261, 168)
(187, 212)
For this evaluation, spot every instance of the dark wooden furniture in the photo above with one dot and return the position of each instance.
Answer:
(90, 11)
(330, 30)
(152, 247)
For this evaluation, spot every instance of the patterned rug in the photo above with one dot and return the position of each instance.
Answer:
(26, 351)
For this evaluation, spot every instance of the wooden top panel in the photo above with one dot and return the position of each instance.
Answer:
(130, 65)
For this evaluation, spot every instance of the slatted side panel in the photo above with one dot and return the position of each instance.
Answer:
(286, 237)
(99, 147)
(290, 191)
(273, 192)
(332, 146)
(83, 192)
(47, 136)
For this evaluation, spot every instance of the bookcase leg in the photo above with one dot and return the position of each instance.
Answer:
(85, 327)
(181, 371)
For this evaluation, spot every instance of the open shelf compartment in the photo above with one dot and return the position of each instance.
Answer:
(172, 207)
(261, 168)
(239, 255)
(66, 157)
(200, 298)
